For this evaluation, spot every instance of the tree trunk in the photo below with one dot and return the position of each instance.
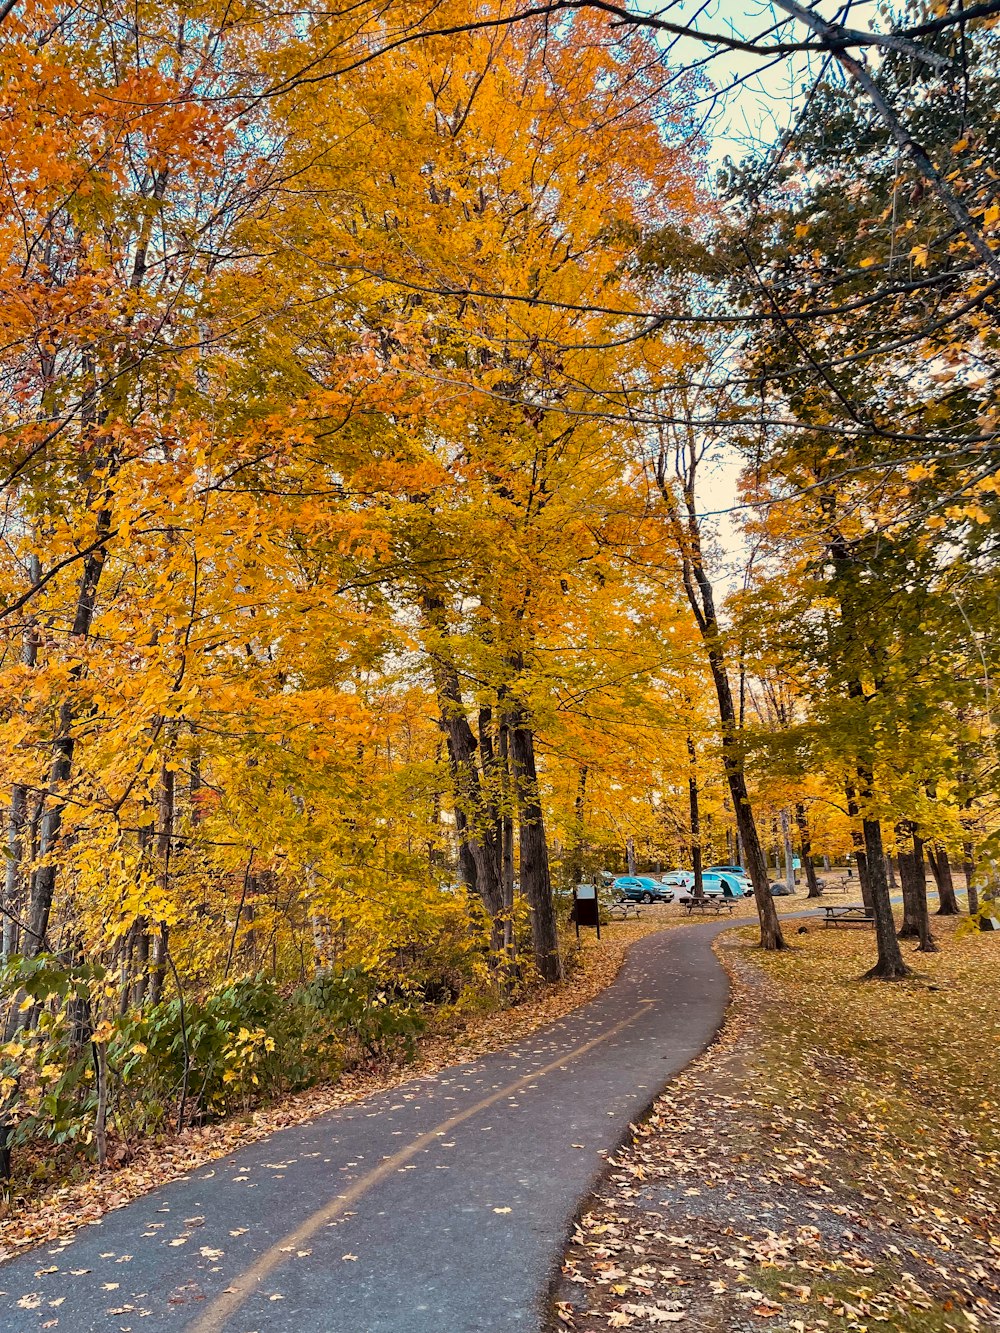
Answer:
(890, 965)
(701, 598)
(101, 1116)
(754, 862)
(535, 881)
(910, 927)
(941, 869)
(805, 852)
(576, 856)
(858, 843)
(927, 944)
(696, 857)
(969, 872)
(12, 887)
(476, 818)
(630, 855)
(507, 850)
(44, 880)
(158, 969)
(164, 843)
(786, 836)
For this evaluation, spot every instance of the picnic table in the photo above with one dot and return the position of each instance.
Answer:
(710, 903)
(847, 914)
(622, 908)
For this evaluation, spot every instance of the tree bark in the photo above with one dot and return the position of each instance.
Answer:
(164, 843)
(910, 928)
(13, 888)
(941, 869)
(696, 857)
(969, 872)
(535, 879)
(805, 852)
(890, 965)
(507, 849)
(44, 880)
(786, 837)
(101, 1116)
(858, 842)
(576, 854)
(701, 598)
(927, 944)
(476, 815)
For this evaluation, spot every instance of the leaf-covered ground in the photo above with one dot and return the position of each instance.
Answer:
(42, 1212)
(832, 1163)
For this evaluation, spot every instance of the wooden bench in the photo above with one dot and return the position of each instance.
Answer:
(710, 903)
(850, 914)
(622, 908)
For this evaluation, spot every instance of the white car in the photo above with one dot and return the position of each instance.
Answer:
(678, 879)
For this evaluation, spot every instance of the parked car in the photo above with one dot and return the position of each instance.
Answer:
(718, 886)
(642, 889)
(735, 873)
(678, 879)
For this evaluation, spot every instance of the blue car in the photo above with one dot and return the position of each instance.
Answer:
(642, 889)
(715, 885)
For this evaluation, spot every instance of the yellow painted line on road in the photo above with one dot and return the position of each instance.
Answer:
(214, 1318)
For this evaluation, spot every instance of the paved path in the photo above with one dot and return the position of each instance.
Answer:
(439, 1207)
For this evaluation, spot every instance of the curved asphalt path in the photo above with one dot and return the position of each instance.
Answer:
(441, 1206)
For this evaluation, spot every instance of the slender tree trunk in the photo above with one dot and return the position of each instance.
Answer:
(696, 857)
(756, 866)
(164, 842)
(13, 905)
(969, 873)
(44, 880)
(927, 944)
(475, 813)
(941, 869)
(13, 888)
(507, 849)
(890, 866)
(535, 880)
(630, 855)
(701, 598)
(101, 1116)
(805, 852)
(910, 927)
(786, 835)
(575, 858)
(858, 842)
(890, 965)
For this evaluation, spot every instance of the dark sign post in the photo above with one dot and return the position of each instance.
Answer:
(586, 908)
